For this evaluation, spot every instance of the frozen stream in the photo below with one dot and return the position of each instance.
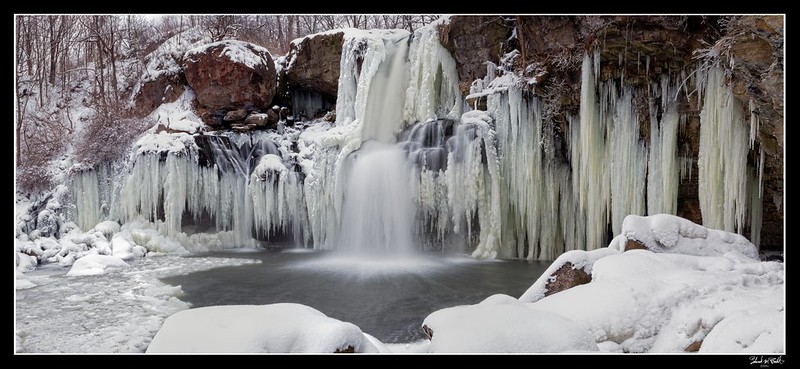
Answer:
(117, 312)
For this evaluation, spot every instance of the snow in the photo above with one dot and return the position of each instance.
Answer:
(96, 265)
(578, 258)
(106, 227)
(116, 312)
(284, 327)
(185, 125)
(655, 302)
(21, 282)
(163, 141)
(758, 329)
(669, 233)
(242, 52)
(270, 162)
(25, 262)
(502, 324)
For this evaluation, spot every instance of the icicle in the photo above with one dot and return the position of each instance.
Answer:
(627, 159)
(760, 172)
(756, 208)
(87, 199)
(663, 171)
(433, 80)
(722, 161)
(754, 122)
(592, 180)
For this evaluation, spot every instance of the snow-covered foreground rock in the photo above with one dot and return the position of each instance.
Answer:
(258, 328)
(503, 324)
(120, 311)
(692, 289)
(640, 301)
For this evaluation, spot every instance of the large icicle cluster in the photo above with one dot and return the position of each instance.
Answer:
(722, 162)
(494, 180)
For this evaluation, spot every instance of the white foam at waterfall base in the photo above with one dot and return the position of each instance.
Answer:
(371, 265)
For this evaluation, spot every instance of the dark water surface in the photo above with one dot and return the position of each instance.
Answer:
(386, 297)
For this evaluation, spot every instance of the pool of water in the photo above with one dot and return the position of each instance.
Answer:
(387, 297)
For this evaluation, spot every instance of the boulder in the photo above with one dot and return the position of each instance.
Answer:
(235, 115)
(634, 245)
(268, 119)
(162, 82)
(163, 88)
(473, 40)
(231, 75)
(566, 277)
(312, 63)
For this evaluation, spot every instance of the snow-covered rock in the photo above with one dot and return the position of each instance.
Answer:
(659, 302)
(570, 269)
(107, 228)
(501, 323)
(258, 328)
(231, 74)
(121, 248)
(96, 265)
(25, 262)
(669, 233)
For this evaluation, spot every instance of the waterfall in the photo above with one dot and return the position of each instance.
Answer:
(402, 168)
(377, 214)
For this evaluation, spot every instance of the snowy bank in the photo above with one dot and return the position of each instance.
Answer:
(641, 301)
(258, 328)
(502, 324)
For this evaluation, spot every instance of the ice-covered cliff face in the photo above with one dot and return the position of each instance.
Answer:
(404, 167)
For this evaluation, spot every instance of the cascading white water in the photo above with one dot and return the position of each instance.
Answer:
(383, 117)
(378, 213)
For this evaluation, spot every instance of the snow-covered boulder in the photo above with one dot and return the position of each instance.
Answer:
(641, 301)
(672, 234)
(107, 228)
(25, 262)
(570, 269)
(501, 323)
(279, 328)
(231, 75)
(21, 282)
(96, 265)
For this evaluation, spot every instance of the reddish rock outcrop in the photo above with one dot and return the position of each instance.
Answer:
(474, 40)
(634, 245)
(230, 75)
(164, 88)
(312, 63)
(565, 278)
